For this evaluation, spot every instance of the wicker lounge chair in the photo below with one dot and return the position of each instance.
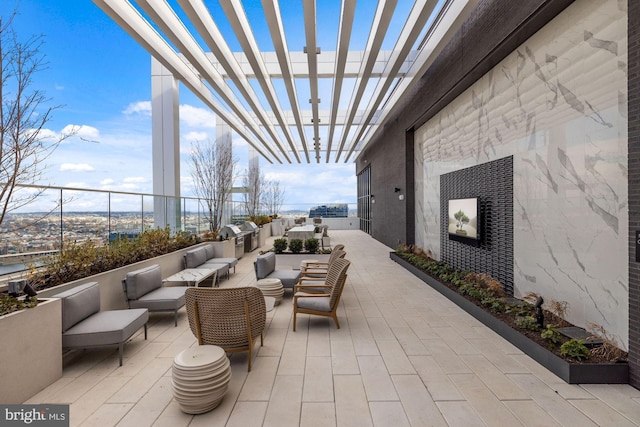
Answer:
(231, 318)
(322, 304)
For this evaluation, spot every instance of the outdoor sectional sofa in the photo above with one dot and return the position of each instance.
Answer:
(203, 257)
(143, 289)
(84, 325)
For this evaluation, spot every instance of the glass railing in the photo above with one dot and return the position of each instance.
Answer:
(57, 215)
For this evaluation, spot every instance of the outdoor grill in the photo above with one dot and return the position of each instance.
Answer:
(250, 232)
(233, 232)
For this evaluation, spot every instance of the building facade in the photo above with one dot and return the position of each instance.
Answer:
(531, 109)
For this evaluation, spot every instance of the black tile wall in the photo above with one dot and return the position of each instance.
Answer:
(492, 183)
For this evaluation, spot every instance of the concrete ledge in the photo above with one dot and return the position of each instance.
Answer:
(31, 350)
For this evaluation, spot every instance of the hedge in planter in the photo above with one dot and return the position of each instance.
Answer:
(500, 313)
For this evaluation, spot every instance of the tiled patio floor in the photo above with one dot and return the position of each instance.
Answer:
(404, 356)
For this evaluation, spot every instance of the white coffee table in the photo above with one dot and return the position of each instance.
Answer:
(191, 276)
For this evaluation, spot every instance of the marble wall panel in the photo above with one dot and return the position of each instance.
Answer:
(558, 105)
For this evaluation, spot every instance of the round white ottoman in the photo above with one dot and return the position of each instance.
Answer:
(271, 288)
(201, 376)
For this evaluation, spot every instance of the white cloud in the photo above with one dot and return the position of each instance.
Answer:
(58, 87)
(140, 107)
(81, 131)
(131, 179)
(76, 167)
(129, 187)
(197, 117)
(107, 181)
(78, 184)
(196, 136)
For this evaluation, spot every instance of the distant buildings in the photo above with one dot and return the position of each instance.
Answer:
(337, 210)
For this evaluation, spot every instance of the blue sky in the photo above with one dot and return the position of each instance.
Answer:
(101, 79)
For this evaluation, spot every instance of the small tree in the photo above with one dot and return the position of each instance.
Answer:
(213, 173)
(461, 219)
(274, 196)
(24, 146)
(255, 185)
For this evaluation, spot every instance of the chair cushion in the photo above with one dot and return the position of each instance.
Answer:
(288, 277)
(231, 261)
(141, 282)
(166, 298)
(313, 303)
(221, 268)
(265, 264)
(79, 303)
(105, 328)
(209, 251)
(195, 257)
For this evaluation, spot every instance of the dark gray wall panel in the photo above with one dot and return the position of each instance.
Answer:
(492, 183)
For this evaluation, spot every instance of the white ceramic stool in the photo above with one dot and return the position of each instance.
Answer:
(201, 376)
(271, 288)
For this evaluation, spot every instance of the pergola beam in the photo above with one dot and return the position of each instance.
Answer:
(134, 23)
(379, 28)
(347, 14)
(276, 29)
(309, 7)
(414, 25)
(450, 19)
(175, 31)
(240, 24)
(208, 30)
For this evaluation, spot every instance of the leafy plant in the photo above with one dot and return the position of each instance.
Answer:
(552, 335)
(279, 245)
(575, 348)
(295, 245)
(522, 308)
(311, 245)
(527, 322)
(496, 305)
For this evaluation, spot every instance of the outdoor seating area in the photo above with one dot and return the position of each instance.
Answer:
(403, 355)
(143, 289)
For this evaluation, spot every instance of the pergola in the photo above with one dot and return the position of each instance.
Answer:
(273, 98)
(258, 94)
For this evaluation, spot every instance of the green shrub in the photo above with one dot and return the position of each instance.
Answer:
(575, 348)
(295, 245)
(311, 245)
(279, 245)
(520, 309)
(552, 335)
(496, 305)
(80, 260)
(527, 322)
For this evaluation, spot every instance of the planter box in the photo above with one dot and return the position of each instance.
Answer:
(30, 350)
(111, 294)
(572, 373)
(293, 261)
(265, 231)
(224, 249)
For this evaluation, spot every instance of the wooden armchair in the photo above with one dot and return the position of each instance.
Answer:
(314, 276)
(319, 269)
(322, 304)
(231, 318)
